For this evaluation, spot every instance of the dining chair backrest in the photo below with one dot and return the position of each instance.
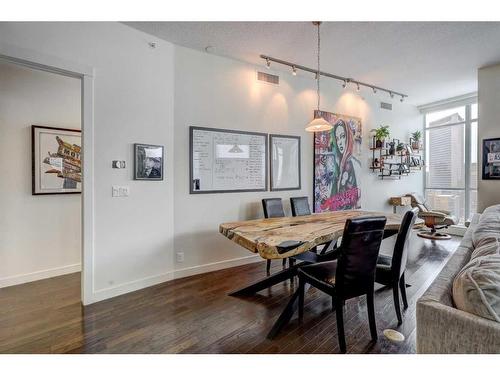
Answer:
(400, 255)
(358, 253)
(273, 207)
(300, 206)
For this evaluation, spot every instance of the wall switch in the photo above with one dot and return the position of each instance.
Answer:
(180, 257)
(120, 191)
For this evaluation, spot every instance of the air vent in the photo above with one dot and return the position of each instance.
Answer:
(387, 106)
(268, 78)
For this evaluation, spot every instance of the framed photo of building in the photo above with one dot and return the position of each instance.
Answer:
(491, 159)
(285, 162)
(148, 162)
(56, 160)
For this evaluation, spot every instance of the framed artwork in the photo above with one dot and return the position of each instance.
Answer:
(337, 167)
(285, 162)
(226, 160)
(56, 160)
(148, 162)
(491, 159)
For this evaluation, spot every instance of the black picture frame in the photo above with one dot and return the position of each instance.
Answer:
(219, 130)
(139, 170)
(36, 190)
(299, 161)
(491, 146)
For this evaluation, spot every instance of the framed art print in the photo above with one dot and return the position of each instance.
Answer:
(148, 162)
(285, 162)
(56, 160)
(491, 159)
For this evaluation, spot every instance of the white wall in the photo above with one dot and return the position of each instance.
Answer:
(133, 102)
(40, 236)
(488, 191)
(220, 92)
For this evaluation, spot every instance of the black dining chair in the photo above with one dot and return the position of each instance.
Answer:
(273, 207)
(300, 206)
(352, 274)
(391, 270)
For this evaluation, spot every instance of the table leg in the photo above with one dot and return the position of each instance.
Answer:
(286, 314)
(265, 283)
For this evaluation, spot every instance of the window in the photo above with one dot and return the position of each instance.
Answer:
(451, 160)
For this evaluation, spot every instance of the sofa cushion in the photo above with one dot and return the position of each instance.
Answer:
(476, 288)
(489, 246)
(488, 226)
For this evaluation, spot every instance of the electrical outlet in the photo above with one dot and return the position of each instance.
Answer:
(180, 257)
(124, 191)
(115, 192)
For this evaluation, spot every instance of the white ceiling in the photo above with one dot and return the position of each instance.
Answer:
(429, 61)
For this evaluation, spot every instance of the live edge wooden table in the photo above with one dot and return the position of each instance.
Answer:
(295, 237)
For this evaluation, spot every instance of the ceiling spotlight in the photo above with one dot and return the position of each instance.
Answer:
(402, 99)
(344, 85)
(357, 86)
(268, 63)
(294, 70)
(391, 94)
(374, 90)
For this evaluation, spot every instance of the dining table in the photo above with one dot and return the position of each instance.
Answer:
(298, 238)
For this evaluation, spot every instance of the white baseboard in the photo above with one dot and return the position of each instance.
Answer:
(132, 286)
(39, 275)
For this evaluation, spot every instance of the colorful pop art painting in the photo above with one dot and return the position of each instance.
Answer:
(336, 163)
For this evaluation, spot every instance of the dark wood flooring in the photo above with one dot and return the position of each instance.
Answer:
(195, 314)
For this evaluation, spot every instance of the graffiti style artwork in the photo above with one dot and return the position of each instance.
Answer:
(56, 157)
(336, 164)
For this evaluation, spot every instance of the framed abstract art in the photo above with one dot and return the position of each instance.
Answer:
(491, 159)
(56, 160)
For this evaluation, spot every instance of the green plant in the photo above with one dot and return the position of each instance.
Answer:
(416, 135)
(382, 132)
(400, 147)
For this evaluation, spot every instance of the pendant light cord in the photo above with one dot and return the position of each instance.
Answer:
(318, 73)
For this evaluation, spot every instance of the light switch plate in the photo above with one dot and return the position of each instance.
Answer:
(118, 164)
(120, 191)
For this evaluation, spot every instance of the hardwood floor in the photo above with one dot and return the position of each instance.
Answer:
(195, 314)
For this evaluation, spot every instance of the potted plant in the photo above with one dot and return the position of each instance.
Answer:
(400, 147)
(381, 133)
(416, 136)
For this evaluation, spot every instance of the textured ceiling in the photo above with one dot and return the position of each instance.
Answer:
(428, 61)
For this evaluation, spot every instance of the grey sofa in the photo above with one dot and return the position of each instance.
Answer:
(442, 328)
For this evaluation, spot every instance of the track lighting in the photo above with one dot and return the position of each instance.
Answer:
(345, 80)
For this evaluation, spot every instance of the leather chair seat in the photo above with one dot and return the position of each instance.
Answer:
(322, 272)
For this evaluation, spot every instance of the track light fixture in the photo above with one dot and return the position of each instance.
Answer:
(294, 70)
(317, 73)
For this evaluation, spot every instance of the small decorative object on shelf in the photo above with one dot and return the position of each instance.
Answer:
(381, 134)
(399, 201)
(415, 140)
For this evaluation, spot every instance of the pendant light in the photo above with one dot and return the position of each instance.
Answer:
(318, 124)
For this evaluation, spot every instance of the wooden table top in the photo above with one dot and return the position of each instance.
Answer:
(264, 236)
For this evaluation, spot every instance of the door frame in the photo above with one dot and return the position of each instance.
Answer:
(39, 61)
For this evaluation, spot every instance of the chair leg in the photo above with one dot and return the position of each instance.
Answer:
(302, 285)
(402, 286)
(284, 262)
(395, 292)
(340, 325)
(371, 316)
(291, 263)
(268, 266)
